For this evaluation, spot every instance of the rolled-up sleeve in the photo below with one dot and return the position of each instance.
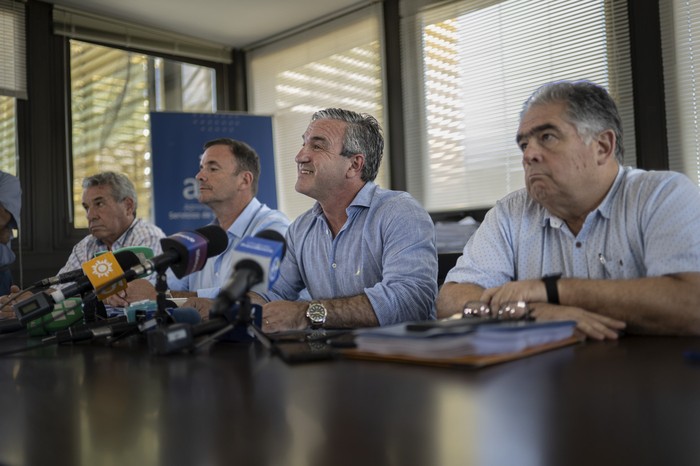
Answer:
(408, 287)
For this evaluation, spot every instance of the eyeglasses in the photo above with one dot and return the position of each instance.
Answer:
(513, 310)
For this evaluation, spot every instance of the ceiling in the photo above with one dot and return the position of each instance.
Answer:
(234, 23)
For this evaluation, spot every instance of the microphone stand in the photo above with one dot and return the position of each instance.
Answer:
(242, 321)
(89, 307)
(161, 317)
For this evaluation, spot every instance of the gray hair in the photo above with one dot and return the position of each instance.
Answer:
(363, 135)
(245, 156)
(589, 108)
(122, 187)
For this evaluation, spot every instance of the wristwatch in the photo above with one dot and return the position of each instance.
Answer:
(550, 284)
(316, 312)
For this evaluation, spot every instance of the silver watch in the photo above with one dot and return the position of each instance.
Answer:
(317, 313)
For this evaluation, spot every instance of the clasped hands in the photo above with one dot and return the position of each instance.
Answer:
(591, 324)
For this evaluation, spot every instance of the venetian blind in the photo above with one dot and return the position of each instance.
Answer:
(470, 65)
(680, 30)
(336, 64)
(13, 74)
(89, 27)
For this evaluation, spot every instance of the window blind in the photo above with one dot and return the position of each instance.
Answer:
(89, 27)
(680, 39)
(469, 67)
(337, 64)
(13, 72)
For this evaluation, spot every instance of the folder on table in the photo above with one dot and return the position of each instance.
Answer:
(462, 342)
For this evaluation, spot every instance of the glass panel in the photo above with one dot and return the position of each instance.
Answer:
(680, 30)
(338, 64)
(113, 92)
(480, 60)
(8, 138)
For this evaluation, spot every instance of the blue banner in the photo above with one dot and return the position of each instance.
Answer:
(177, 140)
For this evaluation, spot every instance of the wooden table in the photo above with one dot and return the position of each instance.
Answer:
(632, 402)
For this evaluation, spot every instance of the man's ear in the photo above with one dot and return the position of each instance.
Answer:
(247, 179)
(606, 142)
(357, 163)
(129, 204)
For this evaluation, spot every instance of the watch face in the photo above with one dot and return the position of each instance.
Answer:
(317, 313)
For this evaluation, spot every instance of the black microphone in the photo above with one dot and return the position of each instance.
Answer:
(65, 277)
(122, 324)
(41, 304)
(185, 252)
(89, 332)
(257, 262)
(181, 336)
(74, 275)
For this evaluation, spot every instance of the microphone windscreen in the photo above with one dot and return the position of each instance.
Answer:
(185, 315)
(127, 259)
(273, 235)
(216, 237)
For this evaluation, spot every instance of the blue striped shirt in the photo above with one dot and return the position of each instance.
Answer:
(386, 250)
(647, 225)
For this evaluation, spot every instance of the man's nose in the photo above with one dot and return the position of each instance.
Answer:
(531, 153)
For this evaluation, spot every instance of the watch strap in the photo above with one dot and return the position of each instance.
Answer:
(550, 284)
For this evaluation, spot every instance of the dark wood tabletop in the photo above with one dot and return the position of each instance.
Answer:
(635, 401)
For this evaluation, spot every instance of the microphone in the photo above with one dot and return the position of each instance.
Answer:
(180, 316)
(65, 277)
(98, 271)
(256, 269)
(142, 252)
(63, 316)
(185, 252)
(182, 335)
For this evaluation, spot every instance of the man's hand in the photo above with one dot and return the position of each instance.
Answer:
(138, 290)
(284, 315)
(203, 305)
(531, 291)
(596, 326)
(7, 301)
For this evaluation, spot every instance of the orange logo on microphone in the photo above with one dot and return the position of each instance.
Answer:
(102, 270)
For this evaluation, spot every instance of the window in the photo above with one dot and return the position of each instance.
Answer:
(112, 93)
(13, 51)
(338, 64)
(680, 30)
(477, 62)
(8, 131)
(12, 78)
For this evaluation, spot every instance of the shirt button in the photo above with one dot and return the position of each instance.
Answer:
(578, 244)
(334, 265)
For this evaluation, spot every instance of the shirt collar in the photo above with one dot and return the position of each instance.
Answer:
(119, 243)
(604, 208)
(363, 198)
(240, 226)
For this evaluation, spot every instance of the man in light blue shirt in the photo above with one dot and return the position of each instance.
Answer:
(228, 182)
(586, 240)
(362, 256)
